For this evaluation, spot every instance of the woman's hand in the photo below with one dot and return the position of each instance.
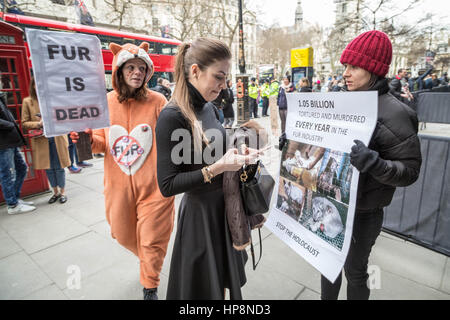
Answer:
(250, 151)
(232, 161)
(75, 136)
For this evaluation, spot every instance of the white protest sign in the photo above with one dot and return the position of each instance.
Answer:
(317, 184)
(70, 81)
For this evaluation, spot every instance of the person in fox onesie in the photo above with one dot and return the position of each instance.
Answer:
(141, 219)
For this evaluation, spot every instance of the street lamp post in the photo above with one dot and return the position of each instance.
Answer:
(241, 41)
(243, 114)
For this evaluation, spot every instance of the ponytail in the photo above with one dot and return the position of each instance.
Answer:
(203, 52)
(181, 95)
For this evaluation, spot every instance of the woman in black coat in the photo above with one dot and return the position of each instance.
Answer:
(392, 158)
(192, 158)
(304, 85)
(228, 99)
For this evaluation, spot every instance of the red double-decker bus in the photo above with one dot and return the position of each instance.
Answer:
(161, 50)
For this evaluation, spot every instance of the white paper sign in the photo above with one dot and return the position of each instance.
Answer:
(70, 81)
(317, 184)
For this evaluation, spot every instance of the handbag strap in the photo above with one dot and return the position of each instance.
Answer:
(253, 251)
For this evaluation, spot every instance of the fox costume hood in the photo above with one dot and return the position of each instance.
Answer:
(127, 52)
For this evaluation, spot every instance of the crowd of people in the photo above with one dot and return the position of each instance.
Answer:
(139, 190)
(402, 85)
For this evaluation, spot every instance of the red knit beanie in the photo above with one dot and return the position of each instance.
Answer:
(371, 51)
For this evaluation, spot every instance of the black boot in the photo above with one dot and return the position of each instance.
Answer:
(150, 294)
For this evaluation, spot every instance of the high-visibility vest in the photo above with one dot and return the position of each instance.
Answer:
(253, 91)
(265, 90)
(274, 86)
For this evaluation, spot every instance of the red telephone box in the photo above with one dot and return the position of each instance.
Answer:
(15, 79)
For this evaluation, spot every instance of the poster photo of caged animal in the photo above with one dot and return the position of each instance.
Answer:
(291, 198)
(335, 176)
(300, 162)
(314, 189)
(327, 219)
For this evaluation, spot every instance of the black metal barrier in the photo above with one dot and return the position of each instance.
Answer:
(434, 107)
(421, 212)
(414, 104)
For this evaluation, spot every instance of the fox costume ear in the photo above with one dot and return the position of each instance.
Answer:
(144, 45)
(114, 47)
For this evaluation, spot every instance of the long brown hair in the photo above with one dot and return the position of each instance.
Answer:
(124, 92)
(32, 89)
(203, 52)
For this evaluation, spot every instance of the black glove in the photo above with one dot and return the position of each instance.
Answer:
(365, 159)
(282, 141)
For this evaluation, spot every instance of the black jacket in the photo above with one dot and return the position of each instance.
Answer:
(395, 139)
(305, 89)
(395, 87)
(163, 90)
(218, 102)
(10, 135)
(281, 99)
(228, 99)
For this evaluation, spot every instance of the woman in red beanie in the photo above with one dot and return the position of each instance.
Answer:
(392, 158)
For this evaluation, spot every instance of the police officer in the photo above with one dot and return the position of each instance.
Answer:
(253, 95)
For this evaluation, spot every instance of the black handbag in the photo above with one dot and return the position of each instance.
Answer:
(256, 191)
(256, 188)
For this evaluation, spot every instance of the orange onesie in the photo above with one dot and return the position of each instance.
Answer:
(141, 219)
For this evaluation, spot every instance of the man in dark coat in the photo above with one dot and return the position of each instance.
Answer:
(162, 88)
(13, 168)
(218, 103)
(444, 79)
(420, 80)
(228, 99)
(396, 84)
(285, 87)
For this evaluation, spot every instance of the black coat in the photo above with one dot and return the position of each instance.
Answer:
(163, 90)
(204, 261)
(395, 139)
(281, 99)
(218, 102)
(228, 99)
(10, 135)
(305, 89)
(395, 87)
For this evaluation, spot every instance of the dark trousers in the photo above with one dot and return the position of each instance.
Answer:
(13, 171)
(72, 152)
(283, 115)
(265, 106)
(253, 107)
(366, 228)
(56, 175)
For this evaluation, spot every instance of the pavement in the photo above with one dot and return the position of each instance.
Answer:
(65, 251)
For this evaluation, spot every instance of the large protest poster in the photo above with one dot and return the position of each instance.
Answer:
(317, 185)
(70, 81)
